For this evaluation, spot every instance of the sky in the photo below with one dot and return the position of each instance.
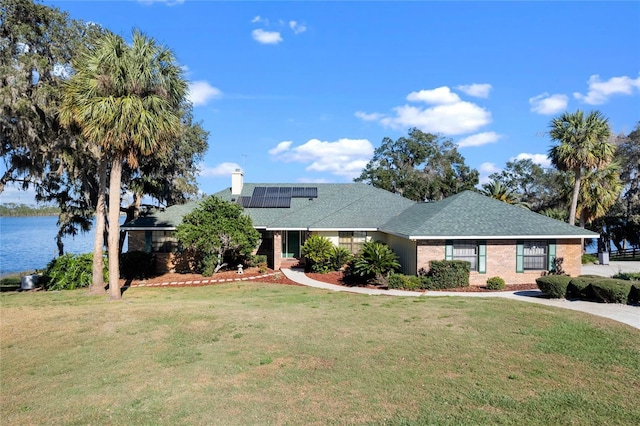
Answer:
(306, 91)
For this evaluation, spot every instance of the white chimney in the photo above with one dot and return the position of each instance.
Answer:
(237, 181)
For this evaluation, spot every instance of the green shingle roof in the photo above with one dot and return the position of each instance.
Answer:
(469, 214)
(357, 206)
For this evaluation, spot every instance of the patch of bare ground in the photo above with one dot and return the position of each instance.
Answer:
(277, 277)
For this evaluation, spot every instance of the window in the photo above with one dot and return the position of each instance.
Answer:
(535, 255)
(162, 242)
(352, 240)
(467, 251)
(474, 252)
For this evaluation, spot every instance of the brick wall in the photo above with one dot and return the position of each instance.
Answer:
(501, 260)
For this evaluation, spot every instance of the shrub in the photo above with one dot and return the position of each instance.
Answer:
(70, 271)
(404, 282)
(340, 256)
(375, 261)
(445, 274)
(589, 258)
(137, 264)
(611, 290)
(634, 294)
(579, 289)
(629, 276)
(259, 261)
(554, 286)
(495, 283)
(317, 251)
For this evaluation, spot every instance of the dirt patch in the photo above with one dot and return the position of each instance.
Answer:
(277, 277)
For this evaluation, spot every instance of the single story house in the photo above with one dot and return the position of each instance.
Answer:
(497, 239)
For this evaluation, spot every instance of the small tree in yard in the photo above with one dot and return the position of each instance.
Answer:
(215, 231)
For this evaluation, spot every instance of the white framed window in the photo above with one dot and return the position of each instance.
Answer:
(535, 255)
(352, 240)
(466, 251)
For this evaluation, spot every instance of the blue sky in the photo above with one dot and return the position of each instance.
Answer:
(305, 91)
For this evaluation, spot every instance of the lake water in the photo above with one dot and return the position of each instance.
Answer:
(29, 243)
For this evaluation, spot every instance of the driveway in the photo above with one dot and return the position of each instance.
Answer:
(611, 269)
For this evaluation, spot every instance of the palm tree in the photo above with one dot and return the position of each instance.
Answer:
(583, 144)
(496, 190)
(599, 191)
(126, 100)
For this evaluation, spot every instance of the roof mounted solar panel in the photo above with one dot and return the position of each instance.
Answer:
(259, 191)
(256, 202)
(304, 192)
(244, 201)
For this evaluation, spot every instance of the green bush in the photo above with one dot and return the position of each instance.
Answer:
(579, 288)
(554, 286)
(317, 251)
(445, 274)
(70, 271)
(375, 261)
(404, 282)
(610, 290)
(495, 283)
(629, 276)
(259, 261)
(634, 294)
(340, 256)
(589, 258)
(137, 264)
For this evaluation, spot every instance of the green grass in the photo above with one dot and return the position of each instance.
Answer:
(256, 353)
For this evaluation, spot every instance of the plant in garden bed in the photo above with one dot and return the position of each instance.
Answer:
(554, 286)
(70, 271)
(495, 283)
(375, 262)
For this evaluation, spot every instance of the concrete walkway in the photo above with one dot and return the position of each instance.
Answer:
(622, 313)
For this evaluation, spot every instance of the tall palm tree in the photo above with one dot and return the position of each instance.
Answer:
(583, 144)
(599, 191)
(126, 100)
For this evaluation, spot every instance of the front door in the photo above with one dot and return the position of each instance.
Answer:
(291, 242)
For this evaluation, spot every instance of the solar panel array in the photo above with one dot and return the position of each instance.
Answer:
(264, 197)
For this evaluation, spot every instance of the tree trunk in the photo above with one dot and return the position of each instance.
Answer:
(574, 199)
(114, 228)
(97, 281)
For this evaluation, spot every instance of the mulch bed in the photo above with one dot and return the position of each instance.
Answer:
(275, 277)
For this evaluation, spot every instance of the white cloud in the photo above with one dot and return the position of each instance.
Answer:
(438, 96)
(540, 159)
(344, 157)
(479, 139)
(485, 170)
(600, 91)
(222, 169)
(477, 90)
(452, 119)
(256, 20)
(281, 147)
(375, 116)
(547, 104)
(296, 27)
(266, 37)
(200, 92)
(449, 116)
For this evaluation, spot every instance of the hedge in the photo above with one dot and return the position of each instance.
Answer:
(445, 274)
(554, 286)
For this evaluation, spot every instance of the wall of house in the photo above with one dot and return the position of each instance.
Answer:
(405, 249)
(501, 260)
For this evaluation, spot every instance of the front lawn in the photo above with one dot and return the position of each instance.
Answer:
(252, 353)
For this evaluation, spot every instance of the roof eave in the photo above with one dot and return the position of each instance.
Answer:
(499, 237)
